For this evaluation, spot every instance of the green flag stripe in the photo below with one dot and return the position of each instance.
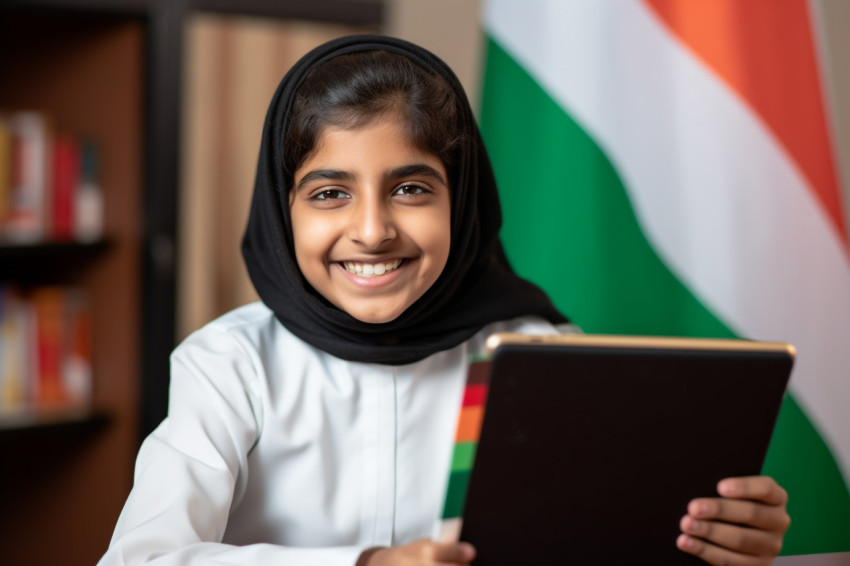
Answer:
(586, 249)
(456, 494)
(463, 456)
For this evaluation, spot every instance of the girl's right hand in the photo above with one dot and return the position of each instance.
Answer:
(421, 552)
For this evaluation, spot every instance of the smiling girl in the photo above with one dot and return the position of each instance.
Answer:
(316, 427)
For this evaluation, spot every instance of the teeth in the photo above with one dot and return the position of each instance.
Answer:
(370, 269)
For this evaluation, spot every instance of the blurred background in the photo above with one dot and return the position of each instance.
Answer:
(172, 95)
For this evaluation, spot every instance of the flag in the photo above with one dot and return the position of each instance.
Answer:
(666, 168)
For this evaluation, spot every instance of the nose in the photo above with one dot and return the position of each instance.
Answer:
(373, 223)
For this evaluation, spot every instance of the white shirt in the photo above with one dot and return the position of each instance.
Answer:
(275, 452)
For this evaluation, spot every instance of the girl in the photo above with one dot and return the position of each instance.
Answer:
(316, 427)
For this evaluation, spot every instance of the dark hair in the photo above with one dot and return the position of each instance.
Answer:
(353, 90)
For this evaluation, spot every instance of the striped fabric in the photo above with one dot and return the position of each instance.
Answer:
(468, 431)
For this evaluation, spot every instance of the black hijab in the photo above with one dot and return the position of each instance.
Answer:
(476, 287)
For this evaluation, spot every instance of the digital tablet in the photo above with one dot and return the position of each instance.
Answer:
(591, 446)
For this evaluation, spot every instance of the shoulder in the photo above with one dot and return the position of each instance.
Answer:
(251, 341)
(253, 316)
(244, 326)
(247, 339)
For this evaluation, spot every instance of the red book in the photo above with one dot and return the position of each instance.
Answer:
(66, 178)
(77, 357)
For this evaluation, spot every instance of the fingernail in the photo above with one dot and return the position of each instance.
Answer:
(699, 508)
(686, 542)
(694, 525)
(727, 488)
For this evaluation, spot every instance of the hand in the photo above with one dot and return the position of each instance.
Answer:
(419, 553)
(744, 526)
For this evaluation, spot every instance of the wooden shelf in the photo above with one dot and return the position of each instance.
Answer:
(31, 420)
(11, 251)
(87, 73)
(47, 262)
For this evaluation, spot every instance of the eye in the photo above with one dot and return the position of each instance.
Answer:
(410, 190)
(329, 194)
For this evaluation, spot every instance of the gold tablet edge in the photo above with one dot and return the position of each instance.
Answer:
(625, 341)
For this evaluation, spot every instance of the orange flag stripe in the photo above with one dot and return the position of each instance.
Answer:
(469, 424)
(765, 51)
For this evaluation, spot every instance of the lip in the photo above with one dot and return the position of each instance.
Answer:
(372, 268)
(374, 280)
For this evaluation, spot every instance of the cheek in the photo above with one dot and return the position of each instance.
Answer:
(436, 241)
(312, 236)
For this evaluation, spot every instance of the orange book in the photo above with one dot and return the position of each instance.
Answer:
(49, 307)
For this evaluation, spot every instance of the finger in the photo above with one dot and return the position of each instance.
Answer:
(718, 556)
(742, 512)
(733, 537)
(453, 553)
(756, 488)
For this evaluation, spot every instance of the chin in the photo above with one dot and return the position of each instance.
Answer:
(375, 317)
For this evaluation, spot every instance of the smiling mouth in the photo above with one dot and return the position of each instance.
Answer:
(371, 269)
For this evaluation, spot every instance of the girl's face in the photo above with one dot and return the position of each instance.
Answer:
(371, 220)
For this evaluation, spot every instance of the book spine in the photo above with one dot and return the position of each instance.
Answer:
(5, 167)
(26, 218)
(49, 304)
(45, 348)
(77, 356)
(88, 217)
(49, 185)
(66, 178)
(14, 376)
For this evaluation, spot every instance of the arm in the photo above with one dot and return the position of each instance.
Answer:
(192, 469)
(745, 525)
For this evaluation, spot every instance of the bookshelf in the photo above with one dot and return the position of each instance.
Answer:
(109, 69)
(66, 471)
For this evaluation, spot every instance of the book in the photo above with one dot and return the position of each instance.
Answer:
(30, 181)
(14, 335)
(66, 180)
(5, 166)
(77, 353)
(49, 312)
(88, 213)
(49, 182)
(45, 348)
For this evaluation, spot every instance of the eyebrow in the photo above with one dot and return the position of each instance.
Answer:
(412, 170)
(324, 174)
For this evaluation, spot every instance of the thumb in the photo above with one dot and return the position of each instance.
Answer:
(454, 553)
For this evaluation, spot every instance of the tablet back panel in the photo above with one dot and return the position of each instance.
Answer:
(589, 454)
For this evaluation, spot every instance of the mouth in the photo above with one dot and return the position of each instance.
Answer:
(362, 269)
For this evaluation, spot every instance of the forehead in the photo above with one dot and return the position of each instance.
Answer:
(380, 144)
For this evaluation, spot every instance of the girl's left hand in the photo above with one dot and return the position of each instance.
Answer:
(745, 525)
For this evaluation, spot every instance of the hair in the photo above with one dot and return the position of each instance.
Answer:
(359, 89)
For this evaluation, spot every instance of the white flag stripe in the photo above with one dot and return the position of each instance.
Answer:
(716, 194)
